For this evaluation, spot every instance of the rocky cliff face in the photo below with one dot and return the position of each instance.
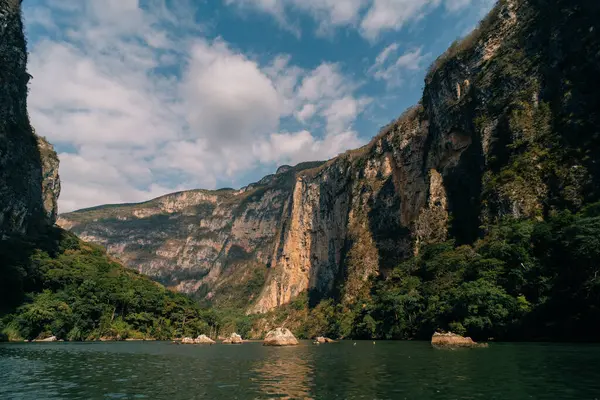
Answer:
(29, 183)
(204, 242)
(507, 127)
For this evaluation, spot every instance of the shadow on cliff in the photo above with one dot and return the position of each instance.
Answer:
(24, 224)
(569, 34)
(392, 239)
(463, 185)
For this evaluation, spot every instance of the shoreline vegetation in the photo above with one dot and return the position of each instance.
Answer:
(56, 285)
(525, 280)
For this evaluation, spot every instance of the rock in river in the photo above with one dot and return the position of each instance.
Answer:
(203, 339)
(453, 340)
(280, 337)
(322, 340)
(233, 339)
(50, 339)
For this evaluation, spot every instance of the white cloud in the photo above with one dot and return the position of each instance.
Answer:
(227, 96)
(306, 112)
(102, 181)
(139, 110)
(328, 13)
(275, 7)
(385, 53)
(393, 15)
(400, 67)
(331, 13)
(342, 112)
(456, 5)
(370, 17)
(292, 148)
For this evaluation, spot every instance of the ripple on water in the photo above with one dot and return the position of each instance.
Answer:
(116, 395)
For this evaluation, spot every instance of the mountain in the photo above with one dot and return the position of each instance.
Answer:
(508, 128)
(52, 283)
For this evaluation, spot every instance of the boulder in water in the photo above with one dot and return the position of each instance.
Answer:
(49, 339)
(450, 340)
(187, 340)
(233, 339)
(203, 339)
(322, 340)
(280, 337)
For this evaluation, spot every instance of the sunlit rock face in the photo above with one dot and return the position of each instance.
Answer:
(481, 145)
(29, 183)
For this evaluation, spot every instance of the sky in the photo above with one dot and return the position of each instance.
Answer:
(146, 97)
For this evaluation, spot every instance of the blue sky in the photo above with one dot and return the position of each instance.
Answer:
(147, 97)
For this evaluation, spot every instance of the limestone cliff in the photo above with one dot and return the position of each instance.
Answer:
(203, 242)
(507, 127)
(29, 183)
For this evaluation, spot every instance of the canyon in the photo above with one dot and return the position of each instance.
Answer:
(506, 128)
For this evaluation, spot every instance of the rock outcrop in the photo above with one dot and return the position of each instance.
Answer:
(233, 339)
(187, 340)
(452, 340)
(48, 339)
(203, 339)
(29, 183)
(507, 127)
(280, 337)
(323, 340)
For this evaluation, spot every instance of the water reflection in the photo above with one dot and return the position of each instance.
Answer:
(286, 373)
(388, 370)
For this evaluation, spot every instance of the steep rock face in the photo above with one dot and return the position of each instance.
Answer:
(207, 242)
(29, 183)
(507, 127)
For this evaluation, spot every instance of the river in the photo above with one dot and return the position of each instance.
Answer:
(367, 370)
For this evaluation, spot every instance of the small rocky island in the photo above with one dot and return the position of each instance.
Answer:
(280, 337)
(202, 339)
(233, 339)
(452, 340)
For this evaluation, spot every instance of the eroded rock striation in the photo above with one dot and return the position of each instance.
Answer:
(29, 182)
(507, 127)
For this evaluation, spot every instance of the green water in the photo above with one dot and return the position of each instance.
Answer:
(385, 370)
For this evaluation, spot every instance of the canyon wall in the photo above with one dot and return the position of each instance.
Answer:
(507, 128)
(29, 182)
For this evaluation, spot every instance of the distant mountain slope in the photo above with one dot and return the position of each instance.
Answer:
(200, 240)
(508, 127)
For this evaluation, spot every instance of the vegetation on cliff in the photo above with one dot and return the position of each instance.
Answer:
(521, 259)
(57, 285)
(524, 280)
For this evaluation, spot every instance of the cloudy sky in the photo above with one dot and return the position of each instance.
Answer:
(147, 97)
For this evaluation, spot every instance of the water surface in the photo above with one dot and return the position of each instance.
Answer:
(385, 370)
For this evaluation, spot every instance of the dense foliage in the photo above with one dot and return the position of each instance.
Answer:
(57, 285)
(525, 280)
